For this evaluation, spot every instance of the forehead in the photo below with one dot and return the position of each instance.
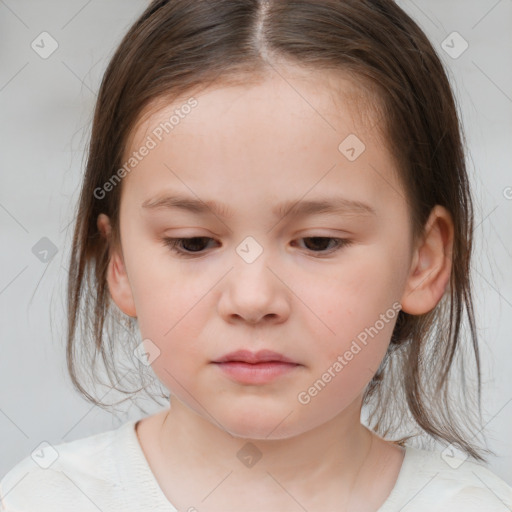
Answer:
(281, 133)
(330, 95)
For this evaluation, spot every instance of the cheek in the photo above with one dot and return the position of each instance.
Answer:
(356, 310)
(172, 311)
(178, 332)
(346, 362)
(350, 298)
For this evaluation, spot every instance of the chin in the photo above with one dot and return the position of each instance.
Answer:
(258, 425)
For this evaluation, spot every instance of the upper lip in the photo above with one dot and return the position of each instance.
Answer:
(247, 356)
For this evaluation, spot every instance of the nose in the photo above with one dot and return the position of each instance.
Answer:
(253, 293)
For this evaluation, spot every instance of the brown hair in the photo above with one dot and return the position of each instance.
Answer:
(178, 46)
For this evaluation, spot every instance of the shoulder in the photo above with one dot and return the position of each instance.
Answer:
(78, 475)
(451, 483)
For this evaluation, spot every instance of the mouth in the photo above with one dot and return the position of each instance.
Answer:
(246, 356)
(248, 367)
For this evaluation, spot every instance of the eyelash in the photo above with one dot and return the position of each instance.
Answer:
(174, 243)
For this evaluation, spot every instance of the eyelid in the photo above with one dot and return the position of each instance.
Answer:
(173, 244)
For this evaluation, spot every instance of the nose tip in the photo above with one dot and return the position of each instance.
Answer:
(252, 292)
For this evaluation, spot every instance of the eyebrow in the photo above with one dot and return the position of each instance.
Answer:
(334, 205)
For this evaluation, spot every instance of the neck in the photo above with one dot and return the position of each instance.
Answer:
(335, 450)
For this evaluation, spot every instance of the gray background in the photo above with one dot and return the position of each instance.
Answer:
(46, 109)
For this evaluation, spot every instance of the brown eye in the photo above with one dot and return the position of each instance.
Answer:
(185, 246)
(195, 244)
(317, 243)
(323, 244)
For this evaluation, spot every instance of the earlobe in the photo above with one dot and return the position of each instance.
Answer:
(117, 278)
(431, 264)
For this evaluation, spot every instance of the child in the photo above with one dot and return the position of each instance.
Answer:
(276, 200)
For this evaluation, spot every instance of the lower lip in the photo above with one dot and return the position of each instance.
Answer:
(259, 373)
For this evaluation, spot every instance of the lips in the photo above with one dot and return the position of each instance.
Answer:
(255, 368)
(246, 356)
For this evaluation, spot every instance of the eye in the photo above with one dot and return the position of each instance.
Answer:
(197, 244)
(186, 246)
(321, 243)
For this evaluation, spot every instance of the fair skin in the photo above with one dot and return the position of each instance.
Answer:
(251, 147)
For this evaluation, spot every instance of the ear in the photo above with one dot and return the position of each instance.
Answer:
(117, 278)
(431, 264)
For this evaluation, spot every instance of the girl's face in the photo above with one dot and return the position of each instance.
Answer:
(320, 285)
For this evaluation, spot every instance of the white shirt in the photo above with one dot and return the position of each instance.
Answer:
(108, 472)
